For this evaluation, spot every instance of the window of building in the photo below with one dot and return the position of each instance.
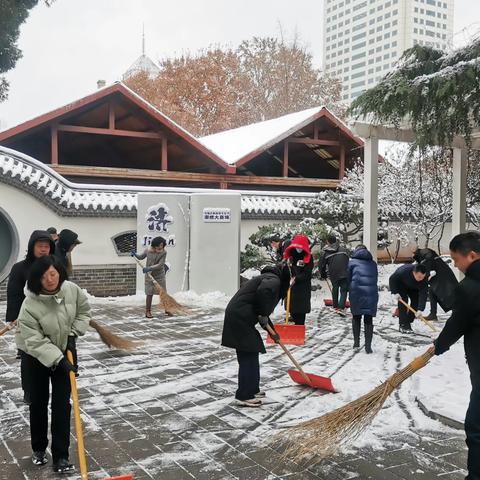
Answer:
(377, 69)
(379, 18)
(395, 22)
(370, 61)
(358, 56)
(378, 49)
(371, 21)
(359, 45)
(370, 71)
(431, 2)
(370, 80)
(430, 13)
(371, 31)
(359, 6)
(358, 84)
(359, 16)
(358, 65)
(357, 75)
(358, 27)
(429, 23)
(379, 28)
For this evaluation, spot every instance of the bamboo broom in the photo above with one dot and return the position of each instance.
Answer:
(108, 338)
(8, 327)
(170, 305)
(323, 436)
(112, 340)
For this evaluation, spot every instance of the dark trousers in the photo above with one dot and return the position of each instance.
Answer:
(299, 318)
(406, 317)
(248, 375)
(342, 286)
(356, 326)
(433, 303)
(472, 430)
(38, 382)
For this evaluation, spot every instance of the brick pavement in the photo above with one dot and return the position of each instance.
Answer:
(165, 411)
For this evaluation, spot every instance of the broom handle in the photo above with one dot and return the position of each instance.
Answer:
(78, 422)
(287, 315)
(290, 356)
(7, 328)
(422, 318)
(329, 286)
(150, 276)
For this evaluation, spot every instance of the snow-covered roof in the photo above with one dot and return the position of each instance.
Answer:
(71, 199)
(233, 145)
(142, 64)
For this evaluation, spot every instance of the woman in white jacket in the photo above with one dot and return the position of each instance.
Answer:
(54, 312)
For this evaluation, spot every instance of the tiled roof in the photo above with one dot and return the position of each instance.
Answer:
(73, 199)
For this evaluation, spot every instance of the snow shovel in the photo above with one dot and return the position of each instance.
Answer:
(8, 327)
(290, 334)
(422, 318)
(82, 460)
(329, 301)
(299, 376)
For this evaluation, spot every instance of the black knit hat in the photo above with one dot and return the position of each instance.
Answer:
(67, 238)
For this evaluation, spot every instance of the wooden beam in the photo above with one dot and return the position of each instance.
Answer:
(187, 177)
(109, 131)
(164, 155)
(341, 170)
(111, 115)
(313, 141)
(285, 159)
(54, 144)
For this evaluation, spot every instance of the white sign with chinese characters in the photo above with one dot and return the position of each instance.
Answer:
(216, 215)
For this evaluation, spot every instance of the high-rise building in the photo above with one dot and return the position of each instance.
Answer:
(364, 38)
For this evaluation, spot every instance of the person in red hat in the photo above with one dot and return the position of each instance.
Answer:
(299, 268)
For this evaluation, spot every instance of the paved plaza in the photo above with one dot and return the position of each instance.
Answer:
(166, 412)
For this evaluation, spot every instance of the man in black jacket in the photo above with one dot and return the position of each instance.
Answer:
(409, 283)
(39, 245)
(335, 266)
(465, 321)
(252, 304)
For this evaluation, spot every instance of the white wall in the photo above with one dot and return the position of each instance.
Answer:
(28, 214)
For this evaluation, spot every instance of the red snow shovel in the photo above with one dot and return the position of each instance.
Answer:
(329, 301)
(289, 334)
(82, 460)
(302, 378)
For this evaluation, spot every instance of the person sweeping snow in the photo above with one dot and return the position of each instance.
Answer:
(465, 321)
(252, 304)
(54, 312)
(409, 283)
(156, 256)
(299, 272)
(363, 288)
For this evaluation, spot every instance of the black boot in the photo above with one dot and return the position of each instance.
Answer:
(62, 465)
(368, 337)
(356, 332)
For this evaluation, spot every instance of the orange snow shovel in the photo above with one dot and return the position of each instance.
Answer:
(82, 461)
(329, 301)
(299, 376)
(290, 334)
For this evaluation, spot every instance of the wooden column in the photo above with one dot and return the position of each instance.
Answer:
(315, 130)
(111, 116)
(285, 159)
(224, 185)
(341, 169)
(54, 144)
(370, 195)
(164, 154)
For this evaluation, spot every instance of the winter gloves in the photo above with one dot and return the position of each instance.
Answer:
(263, 321)
(147, 269)
(419, 314)
(133, 253)
(72, 346)
(65, 366)
(396, 297)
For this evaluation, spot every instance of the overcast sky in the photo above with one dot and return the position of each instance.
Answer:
(72, 44)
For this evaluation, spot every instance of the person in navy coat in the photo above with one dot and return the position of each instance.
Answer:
(363, 288)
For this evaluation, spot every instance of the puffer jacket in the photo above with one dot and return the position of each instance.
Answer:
(363, 283)
(46, 321)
